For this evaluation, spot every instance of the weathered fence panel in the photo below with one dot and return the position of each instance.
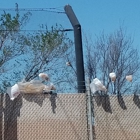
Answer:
(117, 117)
(45, 117)
(64, 117)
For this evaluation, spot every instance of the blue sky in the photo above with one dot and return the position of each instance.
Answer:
(95, 16)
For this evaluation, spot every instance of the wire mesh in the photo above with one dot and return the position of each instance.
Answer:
(66, 116)
(44, 117)
(116, 117)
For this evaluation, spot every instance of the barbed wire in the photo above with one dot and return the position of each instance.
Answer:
(37, 30)
(52, 10)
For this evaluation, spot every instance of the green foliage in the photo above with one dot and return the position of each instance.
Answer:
(24, 56)
(9, 23)
(49, 40)
(11, 46)
(46, 47)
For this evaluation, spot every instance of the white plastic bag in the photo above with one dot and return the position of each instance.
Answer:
(93, 87)
(13, 91)
(44, 76)
(96, 85)
(49, 88)
(129, 78)
(32, 87)
(112, 75)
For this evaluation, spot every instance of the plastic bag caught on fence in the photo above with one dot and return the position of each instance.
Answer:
(32, 87)
(13, 91)
(96, 85)
(35, 87)
(49, 88)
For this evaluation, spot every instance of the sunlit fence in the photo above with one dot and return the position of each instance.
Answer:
(66, 117)
(44, 117)
(116, 117)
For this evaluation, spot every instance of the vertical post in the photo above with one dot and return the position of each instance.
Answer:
(1, 116)
(89, 111)
(78, 48)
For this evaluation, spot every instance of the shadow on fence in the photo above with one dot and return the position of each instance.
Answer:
(136, 100)
(30, 116)
(11, 113)
(117, 117)
(121, 102)
(104, 101)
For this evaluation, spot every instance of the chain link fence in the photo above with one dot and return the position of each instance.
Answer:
(116, 117)
(66, 117)
(44, 117)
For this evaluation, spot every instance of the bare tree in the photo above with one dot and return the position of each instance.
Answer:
(113, 53)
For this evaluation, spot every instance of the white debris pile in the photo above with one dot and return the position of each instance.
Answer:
(112, 75)
(13, 91)
(96, 85)
(32, 87)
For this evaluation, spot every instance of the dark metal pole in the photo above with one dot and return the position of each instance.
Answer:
(78, 48)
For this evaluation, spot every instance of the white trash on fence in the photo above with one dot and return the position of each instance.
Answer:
(35, 87)
(32, 87)
(96, 85)
(13, 91)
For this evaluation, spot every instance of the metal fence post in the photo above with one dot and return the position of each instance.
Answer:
(78, 48)
(89, 110)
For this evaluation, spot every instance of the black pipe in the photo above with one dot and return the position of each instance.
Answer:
(78, 48)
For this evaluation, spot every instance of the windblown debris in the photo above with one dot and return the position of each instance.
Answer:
(32, 87)
(96, 85)
(129, 78)
(112, 75)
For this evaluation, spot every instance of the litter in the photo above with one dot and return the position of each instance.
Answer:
(13, 91)
(96, 85)
(32, 87)
(112, 76)
(129, 78)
